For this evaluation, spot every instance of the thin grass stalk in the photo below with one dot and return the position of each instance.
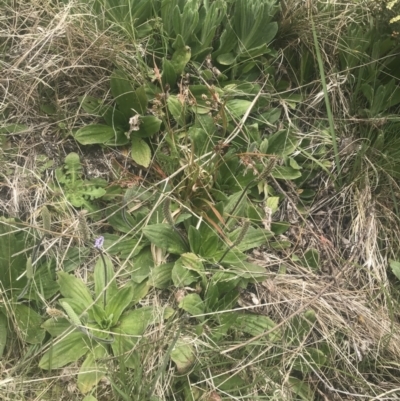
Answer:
(327, 103)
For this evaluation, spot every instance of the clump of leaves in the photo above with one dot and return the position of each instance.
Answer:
(97, 326)
(127, 120)
(78, 191)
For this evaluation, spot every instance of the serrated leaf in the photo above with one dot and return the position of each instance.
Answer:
(141, 152)
(64, 351)
(183, 355)
(95, 133)
(165, 237)
(194, 305)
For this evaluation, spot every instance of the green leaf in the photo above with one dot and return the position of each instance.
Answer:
(92, 370)
(169, 76)
(282, 143)
(89, 398)
(249, 270)
(177, 110)
(149, 125)
(180, 58)
(257, 324)
(29, 324)
(161, 276)
(94, 133)
(3, 332)
(311, 259)
(64, 351)
(183, 355)
(194, 305)
(72, 287)
(301, 389)
(135, 322)
(12, 257)
(56, 326)
(14, 129)
(226, 59)
(165, 237)
(124, 94)
(311, 359)
(142, 265)
(273, 203)
(285, 173)
(141, 152)
(187, 269)
(238, 107)
(183, 277)
(395, 266)
(104, 277)
(194, 237)
(118, 303)
(254, 237)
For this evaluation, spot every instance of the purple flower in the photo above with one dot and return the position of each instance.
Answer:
(98, 243)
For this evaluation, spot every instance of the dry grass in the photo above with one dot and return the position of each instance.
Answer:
(52, 54)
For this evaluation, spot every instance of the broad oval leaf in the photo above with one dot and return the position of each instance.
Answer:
(183, 355)
(165, 237)
(238, 107)
(94, 133)
(65, 351)
(149, 125)
(193, 304)
(285, 173)
(141, 153)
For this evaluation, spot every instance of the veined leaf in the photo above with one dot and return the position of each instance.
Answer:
(165, 237)
(194, 305)
(118, 303)
(3, 332)
(92, 370)
(72, 287)
(94, 133)
(141, 153)
(64, 351)
(183, 355)
(29, 324)
(104, 277)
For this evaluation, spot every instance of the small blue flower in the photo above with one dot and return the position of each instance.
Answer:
(98, 243)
